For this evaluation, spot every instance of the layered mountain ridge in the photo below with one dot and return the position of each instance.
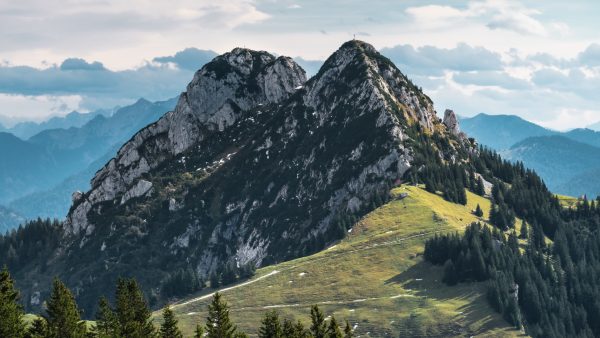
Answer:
(567, 161)
(255, 165)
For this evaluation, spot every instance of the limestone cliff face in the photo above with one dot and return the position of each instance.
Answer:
(255, 165)
(451, 122)
(219, 92)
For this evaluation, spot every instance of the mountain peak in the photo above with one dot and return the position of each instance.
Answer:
(358, 70)
(359, 45)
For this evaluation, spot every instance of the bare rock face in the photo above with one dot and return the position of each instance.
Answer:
(451, 122)
(142, 188)
(76, 196)
(214, 100)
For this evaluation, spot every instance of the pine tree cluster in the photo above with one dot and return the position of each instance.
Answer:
(549, 288)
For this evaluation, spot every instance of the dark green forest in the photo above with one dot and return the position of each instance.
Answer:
(552, 288)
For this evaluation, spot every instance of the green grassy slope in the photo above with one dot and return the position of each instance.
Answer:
(375, 278)
(567, 201)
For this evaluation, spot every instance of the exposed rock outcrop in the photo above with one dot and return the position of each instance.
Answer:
(451, 122)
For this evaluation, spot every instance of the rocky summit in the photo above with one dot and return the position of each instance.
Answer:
(254, 166)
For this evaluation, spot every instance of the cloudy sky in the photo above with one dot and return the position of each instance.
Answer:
(536, 59)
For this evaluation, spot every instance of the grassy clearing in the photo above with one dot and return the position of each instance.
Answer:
(375, 278)
(567, 201)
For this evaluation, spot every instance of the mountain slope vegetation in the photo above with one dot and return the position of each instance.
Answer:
(376, 278)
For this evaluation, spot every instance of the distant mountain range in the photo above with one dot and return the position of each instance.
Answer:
(38, 175)
(55, 202)
(568, 161)
(25, 130)
(9, 219)
(595, 126)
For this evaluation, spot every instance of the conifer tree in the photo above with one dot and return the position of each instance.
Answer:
(291, 330)
(62, 314)
(215, 280)
(199, 333)
(301, 332)
(106, 321)
(450, 276)
(270, 326)
(169, 329)
(461, 194)
(317, 327)
(511, 313)
(288, 330)
(480, 187)
(348, 332)
(334, 331)
(537, 236)
(478, 212)
(38, 329)
(218, 324)
(524, 234)
(11, 312)
(132, 310)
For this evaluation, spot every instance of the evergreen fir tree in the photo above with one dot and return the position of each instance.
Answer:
(301, 332)
(288, 330)
(11, 312)
(537, 236)
(132, 310)
(62, 314)
(291, 330)
(317, 327)
(512, 313)
(461, 194)
(334, 331)
(524, 233)
(478, 212)
(480, 187)
(38, 329)
(215, 280)
(199, 333)
(270, 326)
(218, 324)
(348, 332)
(169, 329)
(229, 274)
(106, 321)
(450, 275)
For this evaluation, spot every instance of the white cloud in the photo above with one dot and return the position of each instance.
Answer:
(436, 13)
(437, 43)
(494, 14)
(118, 32)
(520, 22)
(15, 108)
